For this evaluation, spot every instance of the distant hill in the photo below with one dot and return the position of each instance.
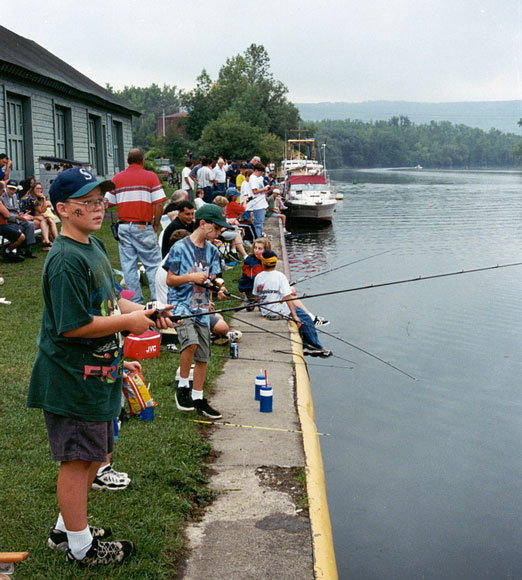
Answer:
(502, 115)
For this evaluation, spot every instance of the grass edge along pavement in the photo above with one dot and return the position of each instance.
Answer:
(166, 458)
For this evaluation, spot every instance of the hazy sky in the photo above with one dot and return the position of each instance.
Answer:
(323, 50)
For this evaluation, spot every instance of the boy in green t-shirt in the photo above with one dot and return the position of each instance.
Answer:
(77, 374)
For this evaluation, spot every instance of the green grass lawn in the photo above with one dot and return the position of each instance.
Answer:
(165, 458)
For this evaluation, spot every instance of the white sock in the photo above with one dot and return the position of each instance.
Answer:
(184, 383)
(60, 524)
(197, 395)
(79, 542)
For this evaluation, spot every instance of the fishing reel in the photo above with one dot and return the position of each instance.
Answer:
(213, 284)
(160, 310)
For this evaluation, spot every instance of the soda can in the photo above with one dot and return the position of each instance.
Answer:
(234, 350)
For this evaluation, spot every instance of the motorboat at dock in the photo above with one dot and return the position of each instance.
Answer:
(307, 193)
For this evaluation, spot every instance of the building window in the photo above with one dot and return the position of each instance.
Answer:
(15, 136)
(63, 132)
(96, 145)
(117, 146)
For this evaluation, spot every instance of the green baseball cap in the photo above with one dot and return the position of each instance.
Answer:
(214, 214)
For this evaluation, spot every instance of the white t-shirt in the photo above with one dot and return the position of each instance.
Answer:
(204, 176)
(186, 173)
(219, 174)
(269, 286)
(259, 201)
(198, 202)
(246, 191)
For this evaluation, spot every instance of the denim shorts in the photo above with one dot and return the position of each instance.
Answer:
(71, 439)
(191, 333)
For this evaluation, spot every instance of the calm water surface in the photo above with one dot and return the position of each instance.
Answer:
(424, 477)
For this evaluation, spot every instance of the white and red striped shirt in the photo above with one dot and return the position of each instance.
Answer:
(137, 190)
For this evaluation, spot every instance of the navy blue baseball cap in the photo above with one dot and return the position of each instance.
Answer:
(13, 184)
(76, 182)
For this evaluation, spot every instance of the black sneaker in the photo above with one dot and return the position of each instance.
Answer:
(314, 351)
(29, 254)
(202, 407)
(58, 542)
(184, 400)
(12, 257)
(104, 553)
(321, 321)
(326, 353)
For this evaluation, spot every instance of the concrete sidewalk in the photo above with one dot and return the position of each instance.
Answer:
(251, 531)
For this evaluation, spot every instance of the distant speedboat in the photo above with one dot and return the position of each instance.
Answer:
(418, 167)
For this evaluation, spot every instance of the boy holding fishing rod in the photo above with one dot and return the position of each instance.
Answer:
(192, 262)
(77, 374)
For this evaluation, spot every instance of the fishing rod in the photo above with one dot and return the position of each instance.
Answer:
(282, 361)
(347, 290)
(389, 364)
(367, 352)
(337, 268)
(215, 285)
(285, 337)
(329, 233)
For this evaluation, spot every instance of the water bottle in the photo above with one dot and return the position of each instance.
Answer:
(260, 380)
(116, 427)
(266, 399)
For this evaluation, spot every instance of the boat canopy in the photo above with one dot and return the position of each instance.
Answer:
(296, 179)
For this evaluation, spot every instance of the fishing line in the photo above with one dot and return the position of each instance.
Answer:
(299, 342)
(336, 338)
(337, 268)
(356, 289)
(367, 352)
(227, 424)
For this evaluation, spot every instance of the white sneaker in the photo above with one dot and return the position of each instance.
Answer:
(234, 335)
(110, 480)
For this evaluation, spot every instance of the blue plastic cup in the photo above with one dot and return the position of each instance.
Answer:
(147, 414)
(266, 399)
(260, 380)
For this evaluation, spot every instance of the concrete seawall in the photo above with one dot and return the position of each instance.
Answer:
(253, 530)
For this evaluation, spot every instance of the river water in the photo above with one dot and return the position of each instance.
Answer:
(424, 477)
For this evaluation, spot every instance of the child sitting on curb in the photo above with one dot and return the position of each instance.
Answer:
(271, 285)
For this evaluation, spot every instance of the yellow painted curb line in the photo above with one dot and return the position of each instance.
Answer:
(325, 566)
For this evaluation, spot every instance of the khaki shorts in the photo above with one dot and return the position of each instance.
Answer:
(191, 333)
(71, 439)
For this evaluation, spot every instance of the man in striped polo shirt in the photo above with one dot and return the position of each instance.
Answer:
(139, 197)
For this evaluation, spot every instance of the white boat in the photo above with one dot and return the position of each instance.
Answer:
(306, 191)
(308, 197)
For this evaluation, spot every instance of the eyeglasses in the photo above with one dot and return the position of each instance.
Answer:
(91, 204)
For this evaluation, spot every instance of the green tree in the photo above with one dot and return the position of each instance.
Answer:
(245, 87)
